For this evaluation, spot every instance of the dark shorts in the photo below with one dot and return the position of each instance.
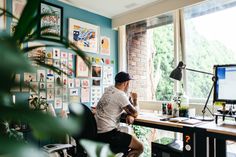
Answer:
(119, 141)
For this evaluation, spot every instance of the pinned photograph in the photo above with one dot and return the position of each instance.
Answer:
(58, 79)
(50, 85)
(28, 77)
(56, 53)
(96, 82)
(74, 92)
(50, 94)
(64, 63)
(85, 94)
(41, 75)
(64, 55)
(49, 55)
(50, 76)
(96, 71)
(65, 81)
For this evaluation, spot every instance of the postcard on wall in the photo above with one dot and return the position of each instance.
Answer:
(71, 83)
(82, 69)
(58, 92)
(85, 94)
(42, 94)
(65, 97)
(96, 82)
(38, 52)
(96, 94)
(74, 92)
(108, 75)
(56, 53)
(17, 8)
(65, 107)
(49, 55)
(85, 83)
(58, 79)
(41, 75)
(77, 83)
(74, 99)
(70, 56)
(42, 86)
(64, 55)
(65, 81)
(105, 46)
(50, 76)
(33, 87)
(56, 63)
(84, 35)
(16, 87)
(58, 103)
(96, 71)
(50, 85)
(50, 94)
(64, 63)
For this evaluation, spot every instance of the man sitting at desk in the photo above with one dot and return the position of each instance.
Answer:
(108, 111)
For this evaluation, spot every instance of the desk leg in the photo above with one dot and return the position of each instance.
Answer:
(188, 138)
(211, 144)
(220, 148)
(201, 143)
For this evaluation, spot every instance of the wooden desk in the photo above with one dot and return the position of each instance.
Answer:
(153, 121)
(217, 134)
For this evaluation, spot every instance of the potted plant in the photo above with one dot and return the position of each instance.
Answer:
(183, 111)
(13, 61)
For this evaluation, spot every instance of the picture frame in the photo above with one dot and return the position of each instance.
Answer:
(84, 35)
(17, 8)
(82, 69)
(96, 71)
(105, 46)
(55, 20)
(3, 17)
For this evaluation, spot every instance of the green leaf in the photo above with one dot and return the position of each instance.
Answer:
(96, 149)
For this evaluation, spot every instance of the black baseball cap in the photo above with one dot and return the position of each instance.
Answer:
(122, 77)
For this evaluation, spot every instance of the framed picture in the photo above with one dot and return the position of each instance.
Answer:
(3, 17)
(84, 35)
(82, 69)
(55, 21)
(96, 71)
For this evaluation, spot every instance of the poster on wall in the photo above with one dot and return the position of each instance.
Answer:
(17, 8)
(82, 69)
(54, 20)
(107, 75)
(85, 94)
(105, 46)
(3, 17)
(84, 35)
(96, 94)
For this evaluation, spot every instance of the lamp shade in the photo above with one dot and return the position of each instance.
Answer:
(177, 72)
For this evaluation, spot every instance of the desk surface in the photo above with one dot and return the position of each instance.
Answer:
(151, 118)
(228, 128)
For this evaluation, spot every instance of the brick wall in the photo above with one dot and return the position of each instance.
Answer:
(138, 56)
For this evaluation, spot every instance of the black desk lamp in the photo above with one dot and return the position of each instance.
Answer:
(177, 75)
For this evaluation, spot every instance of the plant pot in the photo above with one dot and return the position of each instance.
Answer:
(183, 113)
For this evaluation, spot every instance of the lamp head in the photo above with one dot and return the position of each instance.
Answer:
(177, 72)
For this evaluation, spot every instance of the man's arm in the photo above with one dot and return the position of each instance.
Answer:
(130, 110)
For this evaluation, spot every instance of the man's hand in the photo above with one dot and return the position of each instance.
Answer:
(134, 96)
(129, 119)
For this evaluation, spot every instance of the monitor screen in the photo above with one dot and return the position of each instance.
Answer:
(225, 83)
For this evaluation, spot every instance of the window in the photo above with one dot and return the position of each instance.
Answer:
(210, 40)
(161, 34)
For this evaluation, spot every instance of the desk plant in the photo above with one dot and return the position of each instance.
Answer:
(13, 61)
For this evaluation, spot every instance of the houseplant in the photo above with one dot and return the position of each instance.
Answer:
(13, 61)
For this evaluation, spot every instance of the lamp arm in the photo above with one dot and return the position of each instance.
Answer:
(203, 72)
(205, 106)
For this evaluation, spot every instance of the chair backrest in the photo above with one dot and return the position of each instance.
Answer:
(89, 125)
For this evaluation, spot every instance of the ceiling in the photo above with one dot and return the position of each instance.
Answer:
(110, 8)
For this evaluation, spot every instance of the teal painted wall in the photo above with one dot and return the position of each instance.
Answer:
(79, 14)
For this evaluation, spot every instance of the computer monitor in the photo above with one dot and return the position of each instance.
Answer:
(225, 83)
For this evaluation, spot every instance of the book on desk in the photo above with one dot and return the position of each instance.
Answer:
(185, 120)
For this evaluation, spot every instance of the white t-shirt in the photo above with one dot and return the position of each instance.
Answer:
(110, 108)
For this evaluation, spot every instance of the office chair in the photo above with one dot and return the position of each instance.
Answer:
(89, 130)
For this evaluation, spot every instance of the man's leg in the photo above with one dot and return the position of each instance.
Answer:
(136, 147)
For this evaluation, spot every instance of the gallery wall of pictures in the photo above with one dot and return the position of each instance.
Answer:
(83, 84)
